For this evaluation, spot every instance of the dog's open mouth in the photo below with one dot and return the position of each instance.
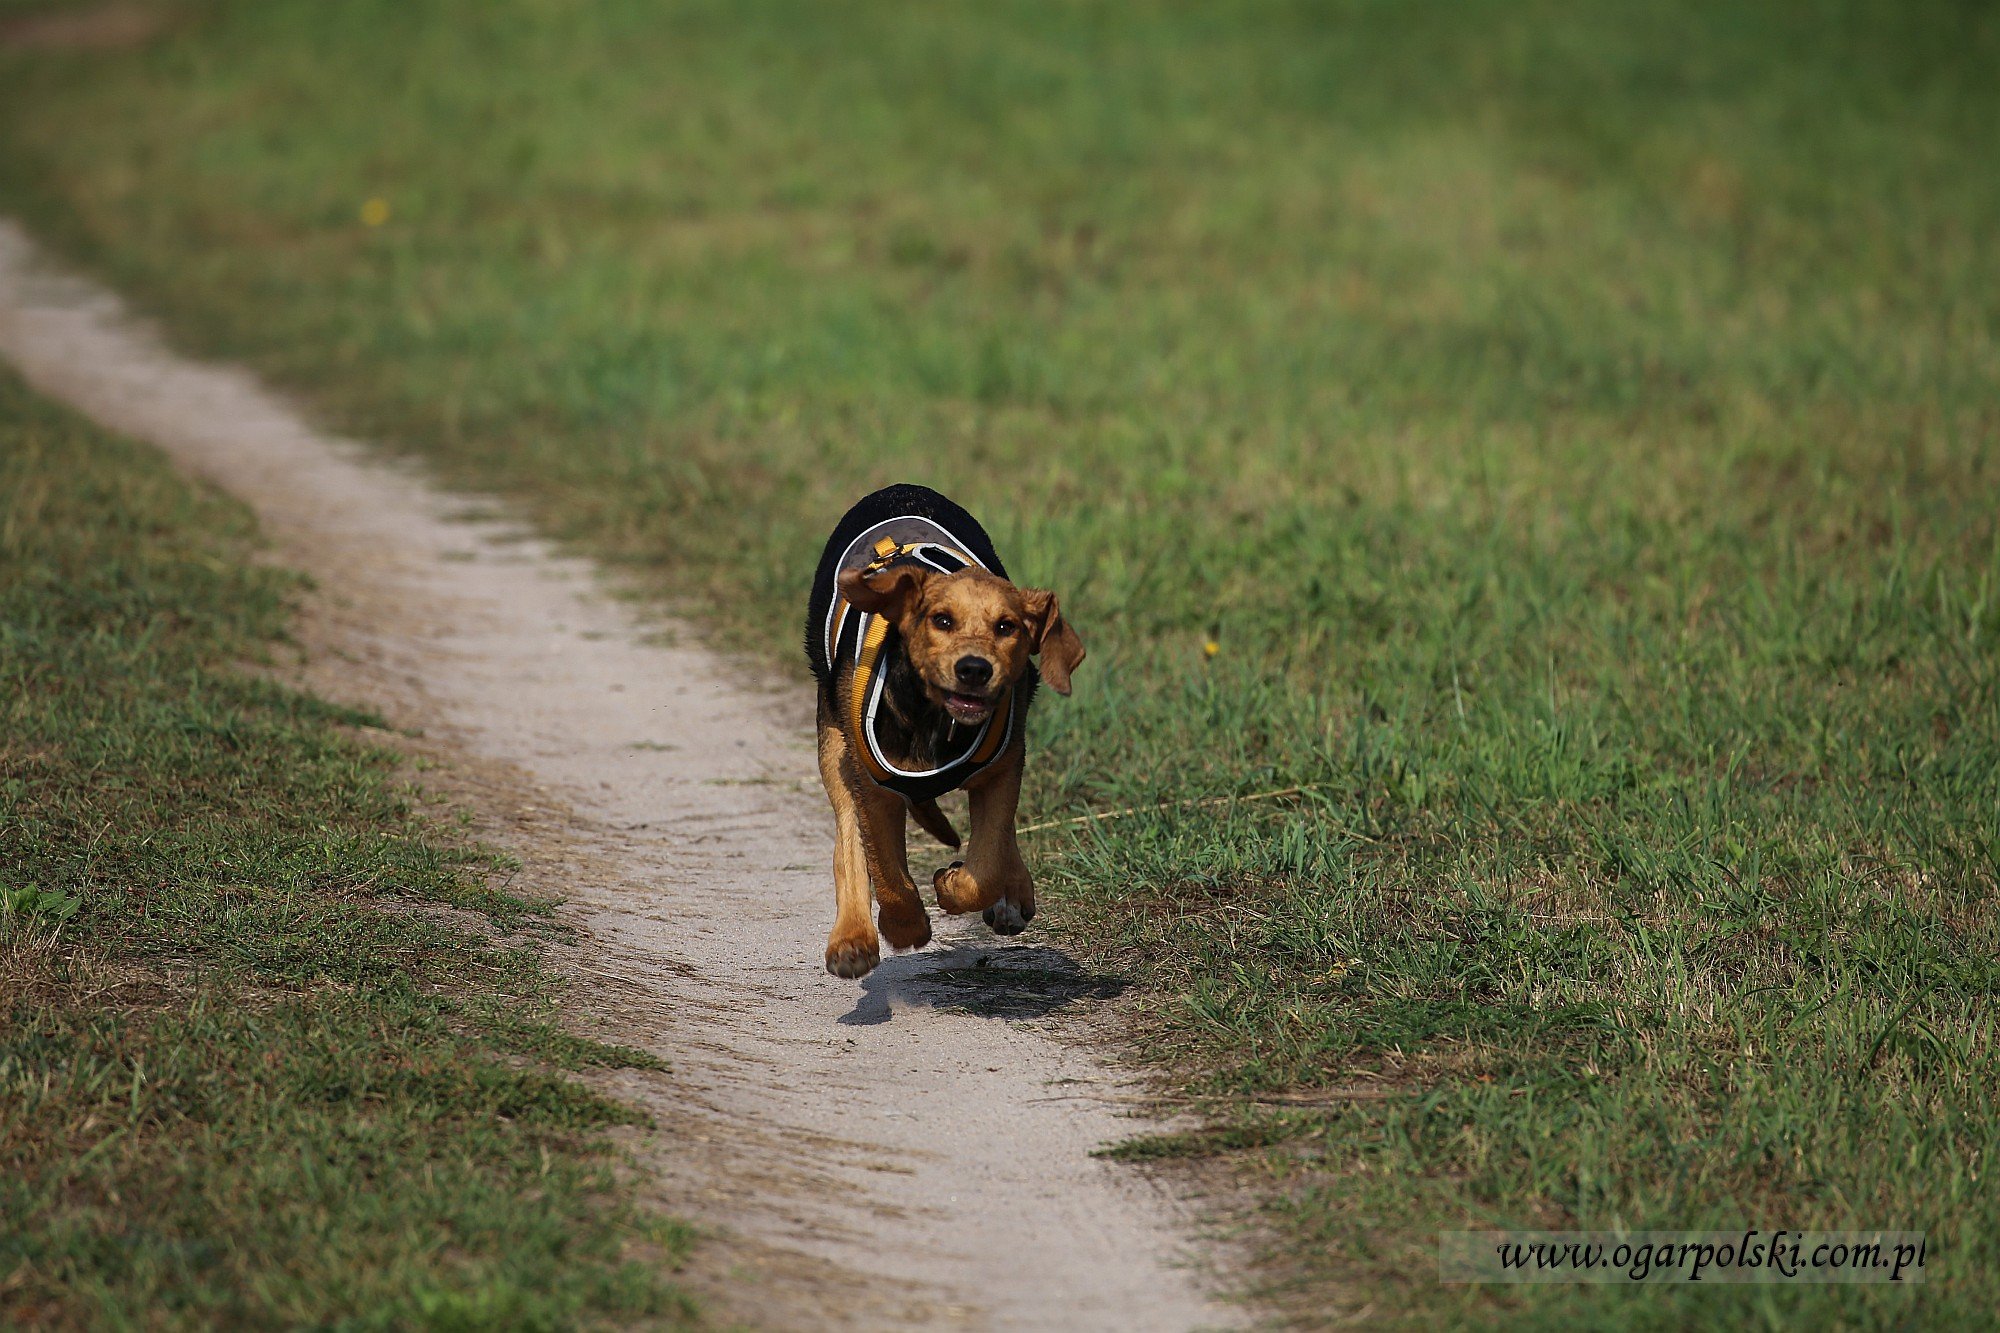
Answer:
(968, 709)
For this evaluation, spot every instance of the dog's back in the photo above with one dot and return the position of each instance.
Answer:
(883, 507)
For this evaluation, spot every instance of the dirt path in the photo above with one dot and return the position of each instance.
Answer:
(920, 1129)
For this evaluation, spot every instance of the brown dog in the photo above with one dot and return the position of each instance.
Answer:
(922, 650)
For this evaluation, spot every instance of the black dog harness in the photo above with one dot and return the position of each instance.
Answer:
(870, 642)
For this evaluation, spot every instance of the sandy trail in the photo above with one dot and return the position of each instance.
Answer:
(921, 1129)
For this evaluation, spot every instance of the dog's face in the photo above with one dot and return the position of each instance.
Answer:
(970, 634)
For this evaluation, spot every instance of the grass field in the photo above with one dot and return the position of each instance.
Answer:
(238, 1086)
(1573, 425)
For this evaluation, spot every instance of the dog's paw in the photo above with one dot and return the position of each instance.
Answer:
(852, 959)
(1007, 919)
(905, 932)
(957, 893)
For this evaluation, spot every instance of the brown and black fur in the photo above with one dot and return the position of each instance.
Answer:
(945, 623)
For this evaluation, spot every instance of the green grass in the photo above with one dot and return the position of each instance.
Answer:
(1573, 422)
(245, 1080)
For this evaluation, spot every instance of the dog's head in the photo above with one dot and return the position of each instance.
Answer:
(968, 634)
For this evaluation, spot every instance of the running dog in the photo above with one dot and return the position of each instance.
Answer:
(921, 647)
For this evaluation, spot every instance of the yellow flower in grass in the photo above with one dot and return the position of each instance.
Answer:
(1210, 648)
(375, 212)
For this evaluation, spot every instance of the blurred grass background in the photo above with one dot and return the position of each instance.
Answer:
(1574, 423)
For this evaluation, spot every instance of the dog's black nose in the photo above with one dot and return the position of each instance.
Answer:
(975, 673)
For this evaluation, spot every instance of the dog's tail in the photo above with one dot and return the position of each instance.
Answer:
(935, 823)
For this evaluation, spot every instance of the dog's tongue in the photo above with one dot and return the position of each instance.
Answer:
(966, 708)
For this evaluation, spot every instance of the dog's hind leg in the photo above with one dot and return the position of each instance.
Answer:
(993, 878)
(935, 823)
(852, 950)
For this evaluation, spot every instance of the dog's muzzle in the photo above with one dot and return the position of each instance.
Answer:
(970, 701)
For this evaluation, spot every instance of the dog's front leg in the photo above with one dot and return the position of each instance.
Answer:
(852, 950)
(993, 878)
(884, 828)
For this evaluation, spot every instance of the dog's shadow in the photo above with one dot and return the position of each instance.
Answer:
(990, 980)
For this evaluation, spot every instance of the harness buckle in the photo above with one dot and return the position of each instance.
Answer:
(886, 551)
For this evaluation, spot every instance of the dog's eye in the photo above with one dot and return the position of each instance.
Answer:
(1003, 628)
(942, 621)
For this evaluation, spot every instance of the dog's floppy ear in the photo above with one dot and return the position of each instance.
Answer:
(1055, 642)
(887, 592)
